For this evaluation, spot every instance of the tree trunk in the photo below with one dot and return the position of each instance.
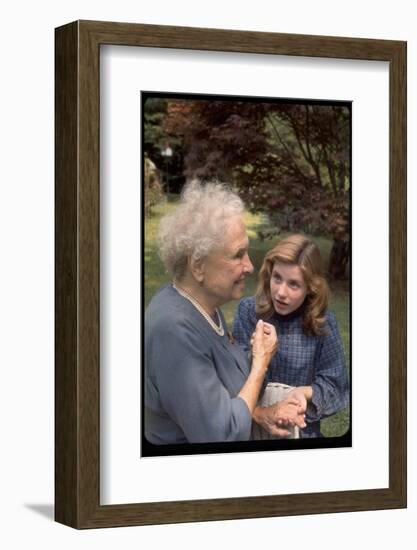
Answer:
(339, 259)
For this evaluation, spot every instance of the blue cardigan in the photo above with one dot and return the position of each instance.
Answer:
(192, 376)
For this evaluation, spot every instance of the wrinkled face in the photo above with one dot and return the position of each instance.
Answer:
(288, 289)
(225, 269)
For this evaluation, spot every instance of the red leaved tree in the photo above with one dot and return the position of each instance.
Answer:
(290, 161)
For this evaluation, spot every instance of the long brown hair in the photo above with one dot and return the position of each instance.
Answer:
(301, 251)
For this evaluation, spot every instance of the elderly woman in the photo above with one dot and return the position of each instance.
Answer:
(199, 385)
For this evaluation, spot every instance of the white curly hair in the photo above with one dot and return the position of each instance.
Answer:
(198, 224)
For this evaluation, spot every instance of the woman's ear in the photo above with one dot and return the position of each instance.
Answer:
(196, 267)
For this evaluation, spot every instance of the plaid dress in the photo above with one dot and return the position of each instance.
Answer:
(301, 360)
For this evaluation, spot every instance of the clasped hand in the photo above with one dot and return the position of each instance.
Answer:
(277, 418)
(290, 412)
(264, 341)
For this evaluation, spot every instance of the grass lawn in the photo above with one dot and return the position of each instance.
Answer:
(155, 277)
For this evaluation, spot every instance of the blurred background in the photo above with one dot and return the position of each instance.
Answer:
(289, 161)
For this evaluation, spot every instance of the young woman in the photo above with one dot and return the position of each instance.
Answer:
(292, 295)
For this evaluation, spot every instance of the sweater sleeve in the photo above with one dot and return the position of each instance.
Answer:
(244, 323)
(330, 382)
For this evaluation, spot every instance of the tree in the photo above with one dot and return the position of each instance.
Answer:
(291, 161)
(156, 141)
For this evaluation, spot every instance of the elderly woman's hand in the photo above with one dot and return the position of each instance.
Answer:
(264, 344)
(276, 418)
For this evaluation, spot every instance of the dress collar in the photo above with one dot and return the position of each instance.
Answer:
(299, 312)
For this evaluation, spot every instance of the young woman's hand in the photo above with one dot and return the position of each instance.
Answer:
(302, 394)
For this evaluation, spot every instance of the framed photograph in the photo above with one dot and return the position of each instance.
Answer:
(113, 81)
(279, 153)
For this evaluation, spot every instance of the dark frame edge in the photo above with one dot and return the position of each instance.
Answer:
(242, 508)
(66, 275)
(77, 377)
(398, 272)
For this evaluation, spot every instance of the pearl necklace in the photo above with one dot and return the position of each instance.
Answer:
(218, 329)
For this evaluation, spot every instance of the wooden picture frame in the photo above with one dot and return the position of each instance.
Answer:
(77, 370)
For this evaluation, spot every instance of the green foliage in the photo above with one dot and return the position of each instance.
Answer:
(154, 135)
(155, 277)
(156, 140)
